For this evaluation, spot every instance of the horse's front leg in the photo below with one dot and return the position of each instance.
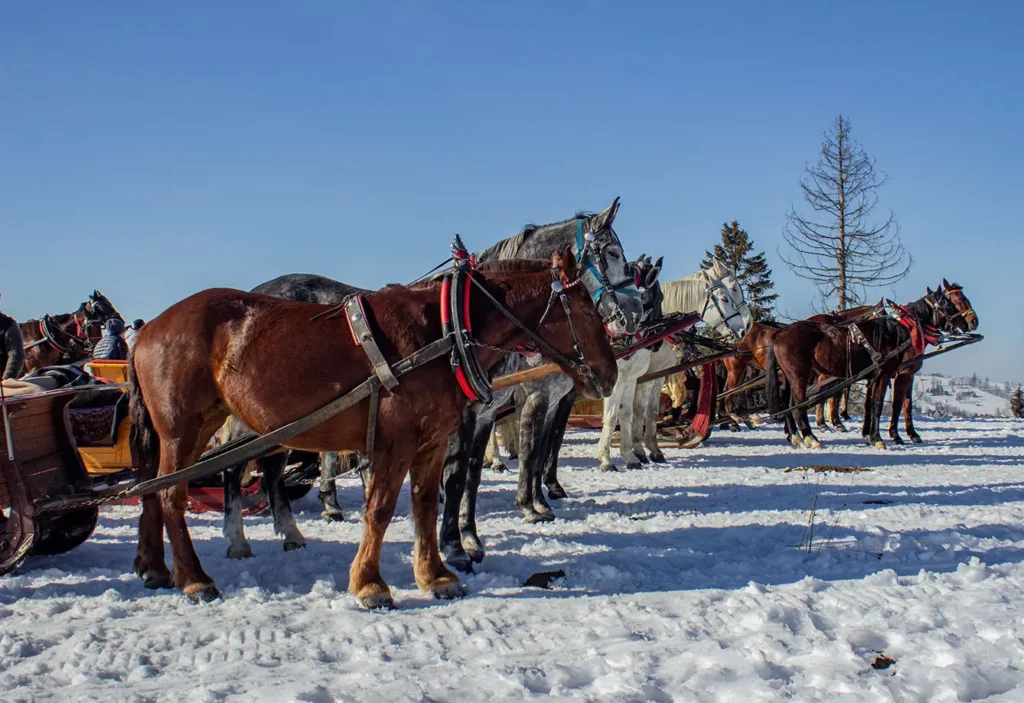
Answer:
(280, 505)
(234, 532)
(454, 475)
(431, 574)
(876, 392)
(908, 411)
(609, 419)
(532, 423)
(327, 494)
(556, 434)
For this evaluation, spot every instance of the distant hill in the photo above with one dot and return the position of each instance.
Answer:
(936, 395)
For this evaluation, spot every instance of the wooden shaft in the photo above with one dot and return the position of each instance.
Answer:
(514, 379)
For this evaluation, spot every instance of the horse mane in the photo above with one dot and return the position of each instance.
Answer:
(508, 248)
(684, 295)
(516, 266)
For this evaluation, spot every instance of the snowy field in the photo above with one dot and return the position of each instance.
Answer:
(695, 581)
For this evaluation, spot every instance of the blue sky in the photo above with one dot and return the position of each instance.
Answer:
(154, 149)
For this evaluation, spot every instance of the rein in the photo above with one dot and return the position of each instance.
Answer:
(455, 298)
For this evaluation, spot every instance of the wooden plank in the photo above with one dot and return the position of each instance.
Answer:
(35, 448)
(33, 433)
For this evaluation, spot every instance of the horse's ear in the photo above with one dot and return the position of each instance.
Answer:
(566, 263)
(95, 293)
(604, 219)
(945, 285)
(929, 290)
(652, 275)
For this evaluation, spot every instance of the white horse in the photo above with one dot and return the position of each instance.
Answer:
(717, 297)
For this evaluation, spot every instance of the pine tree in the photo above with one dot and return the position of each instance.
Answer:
(1017, 402)
(736, 251)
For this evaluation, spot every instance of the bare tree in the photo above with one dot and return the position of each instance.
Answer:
(840, 246)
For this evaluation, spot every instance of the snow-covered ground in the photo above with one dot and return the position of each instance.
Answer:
(691, 581)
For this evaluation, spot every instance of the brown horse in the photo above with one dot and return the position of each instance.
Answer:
(66, 338)
(755, 352)
(836, 405)
(807, 350)
(268, 362)
(966, 320)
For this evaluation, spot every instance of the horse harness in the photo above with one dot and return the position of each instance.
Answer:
(51, 331)
(457, 330)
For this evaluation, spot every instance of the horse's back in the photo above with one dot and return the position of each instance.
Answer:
(308, 288)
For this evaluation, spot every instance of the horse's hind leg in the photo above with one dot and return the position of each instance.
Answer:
(330, 467)
(188, 571)
(149, 559)
(492, 454)
(281, 507)
(845, 407)
(234, 532)
(609, 418)
(431, 574)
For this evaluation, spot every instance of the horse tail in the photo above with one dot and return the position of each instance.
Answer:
(771, 381)
(143, 439)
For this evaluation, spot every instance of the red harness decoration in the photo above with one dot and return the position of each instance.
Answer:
(920, 335)
(446, 321)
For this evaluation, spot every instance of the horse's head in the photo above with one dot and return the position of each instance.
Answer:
(584, 325)
(606, 273)
(966, 319)
(725, 309)
(651, 295)
(99, 309)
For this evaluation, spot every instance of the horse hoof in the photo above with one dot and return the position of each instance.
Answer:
(609, 467)
(896, 439)
(203, 594)
(633, 465)
(472, 546)
(733, 427)
(448, 590)
(916, 439)
(240, 553)
(533, 517)
(158, 581)
(840, 427)
(879, 444)
(292, 546)
(658, 457)
(460, 561)
(811, 443)
(795, 441)
(499, 468)
(641, 457)
(556, 492)
(756, 420)
(378, 601)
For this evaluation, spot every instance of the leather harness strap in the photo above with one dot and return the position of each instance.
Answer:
(363, 337)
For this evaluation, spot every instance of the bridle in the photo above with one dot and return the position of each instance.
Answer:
(711, 299)
(593, 273)
(456, 325)
(962, 313)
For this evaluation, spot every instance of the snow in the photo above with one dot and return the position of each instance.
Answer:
(691, 581)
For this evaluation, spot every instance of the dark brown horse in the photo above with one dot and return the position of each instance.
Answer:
(806, 351)
(66, 338)
(836, 405)
(966, 320)
(268, 362)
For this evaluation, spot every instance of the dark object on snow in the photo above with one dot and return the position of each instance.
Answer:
(543, 579)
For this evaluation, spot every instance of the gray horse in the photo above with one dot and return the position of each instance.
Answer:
(544, 405)
(306, 288)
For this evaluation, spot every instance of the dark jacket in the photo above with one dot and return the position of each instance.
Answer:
(112, 345)
(12, 348)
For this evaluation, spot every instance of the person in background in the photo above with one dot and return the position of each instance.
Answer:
(131, 332)
(112, 345)
(12, 348)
